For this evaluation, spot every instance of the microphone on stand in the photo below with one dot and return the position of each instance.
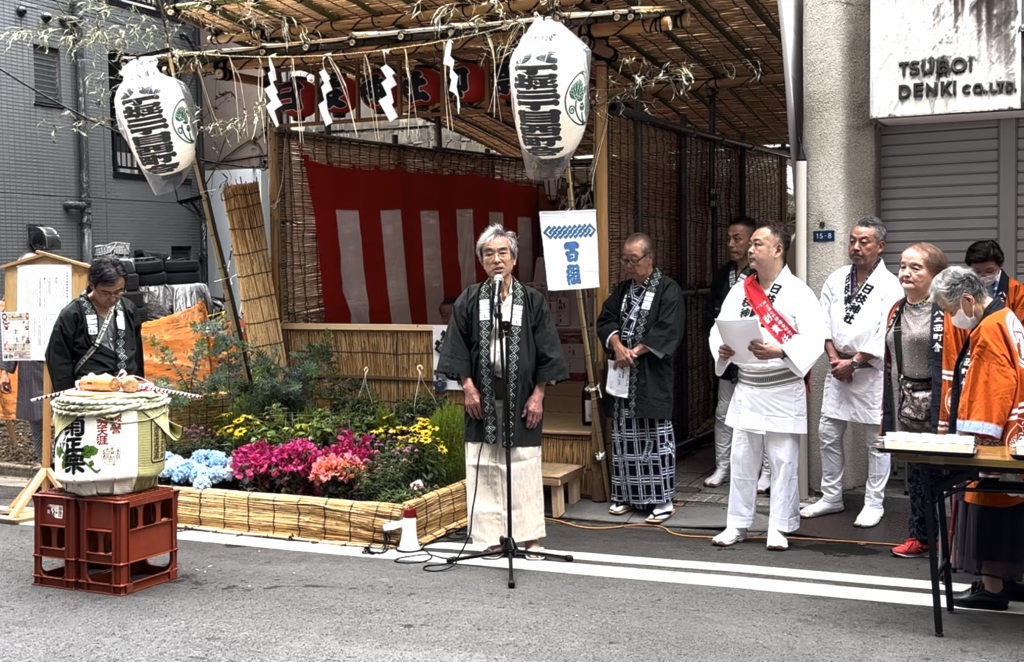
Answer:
(498, 278)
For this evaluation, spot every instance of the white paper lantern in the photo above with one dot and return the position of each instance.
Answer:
(550, 97)
(156, 116)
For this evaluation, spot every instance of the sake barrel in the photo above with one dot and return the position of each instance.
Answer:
(110, 443)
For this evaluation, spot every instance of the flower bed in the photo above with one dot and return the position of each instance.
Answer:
(319, 518)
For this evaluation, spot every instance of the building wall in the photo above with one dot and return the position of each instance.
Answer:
(39, 168)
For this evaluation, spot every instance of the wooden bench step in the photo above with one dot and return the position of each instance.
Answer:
(557, 477)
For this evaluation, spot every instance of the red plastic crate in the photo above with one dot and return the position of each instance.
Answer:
(125, 578)
(56, 539)
(127, 529)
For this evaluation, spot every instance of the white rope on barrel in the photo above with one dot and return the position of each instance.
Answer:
(69, 405)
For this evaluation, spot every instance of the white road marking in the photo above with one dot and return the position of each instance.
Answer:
(790, 581)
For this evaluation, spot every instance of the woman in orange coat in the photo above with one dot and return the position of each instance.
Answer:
(986, 397)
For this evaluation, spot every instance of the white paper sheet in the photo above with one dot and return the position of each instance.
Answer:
(738, 334)
(618, 381)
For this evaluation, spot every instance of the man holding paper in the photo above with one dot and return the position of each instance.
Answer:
(769, 406)
(641, 325)
(856, 300)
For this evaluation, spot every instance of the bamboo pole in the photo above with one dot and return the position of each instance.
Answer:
(600, 490)
(600, 185)
(255, 273)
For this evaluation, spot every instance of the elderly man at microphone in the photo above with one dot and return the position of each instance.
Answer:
(498, 384)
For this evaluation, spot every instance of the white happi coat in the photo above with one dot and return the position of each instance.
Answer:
(781, 408)
(858, 326)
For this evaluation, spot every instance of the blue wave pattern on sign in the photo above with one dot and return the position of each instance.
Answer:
(569, 231)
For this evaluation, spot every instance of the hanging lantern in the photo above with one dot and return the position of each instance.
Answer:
(372, 91)
(157, 118)
(504, 83)
(340, 100)
(550, 96)
(425, 85)
(472, 80)
(298, 96)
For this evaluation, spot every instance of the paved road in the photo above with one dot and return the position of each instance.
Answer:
(636, 594)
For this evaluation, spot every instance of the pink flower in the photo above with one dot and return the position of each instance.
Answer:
(343, 468)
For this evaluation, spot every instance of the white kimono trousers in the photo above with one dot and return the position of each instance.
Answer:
(771, 416)
(857, 323)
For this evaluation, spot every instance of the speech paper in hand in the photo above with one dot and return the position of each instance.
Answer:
(618, 381)
(738, 334)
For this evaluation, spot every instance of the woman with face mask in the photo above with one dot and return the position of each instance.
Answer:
(909, 387)
(988, 385)
(985, 258)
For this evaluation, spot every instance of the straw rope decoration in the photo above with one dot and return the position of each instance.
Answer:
(70, 405)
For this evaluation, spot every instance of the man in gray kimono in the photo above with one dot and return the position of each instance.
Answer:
(641, 325)
(503, 388)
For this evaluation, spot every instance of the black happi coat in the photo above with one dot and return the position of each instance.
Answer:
(537, 357)
(651, 384)
(70, 341)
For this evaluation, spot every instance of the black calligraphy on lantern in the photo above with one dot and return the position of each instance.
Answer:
(150, 134)
(338, 99)
(418, 84)
(539, 103)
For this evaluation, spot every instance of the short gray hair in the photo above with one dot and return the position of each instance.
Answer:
(875, 224)
(954, 282)
(497, 231)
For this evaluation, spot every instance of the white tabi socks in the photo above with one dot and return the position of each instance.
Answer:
(821, 507)
(777, 541)
(729, 537)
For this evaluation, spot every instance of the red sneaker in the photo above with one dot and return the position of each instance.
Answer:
(912, 548)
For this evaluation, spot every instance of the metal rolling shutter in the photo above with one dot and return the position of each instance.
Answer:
(940, 183)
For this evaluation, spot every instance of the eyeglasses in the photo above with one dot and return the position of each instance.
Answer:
(633, 261)
(503, 253)
(108, 293)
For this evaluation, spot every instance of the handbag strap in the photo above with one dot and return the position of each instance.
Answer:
(99, 340)
(897, 338)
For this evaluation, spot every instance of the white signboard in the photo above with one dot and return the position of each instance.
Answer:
(16, 343)
(936, 57)
(43, 291)
(449, 384)
(570, 249)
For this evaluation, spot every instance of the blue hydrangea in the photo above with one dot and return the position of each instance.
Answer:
(211, 458)
(210, 476)
(204, 469)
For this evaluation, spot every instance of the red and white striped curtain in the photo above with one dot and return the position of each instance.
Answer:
(393, 245)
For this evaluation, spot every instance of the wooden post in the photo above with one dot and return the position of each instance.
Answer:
(601, 150)
(599, 490)
(20, 511)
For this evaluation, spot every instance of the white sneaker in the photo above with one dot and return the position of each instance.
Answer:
(717, 478)
(821, 507)
(763, 483)
(729, 537)
(777, 541)
(869, 516)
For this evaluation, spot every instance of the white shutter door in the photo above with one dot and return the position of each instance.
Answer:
(939, 183)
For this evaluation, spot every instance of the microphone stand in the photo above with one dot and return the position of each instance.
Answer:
(509, 549)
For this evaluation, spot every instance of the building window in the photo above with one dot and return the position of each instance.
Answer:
(124, 163)
(46, 66)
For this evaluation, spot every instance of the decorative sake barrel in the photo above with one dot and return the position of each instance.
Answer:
(110, 443)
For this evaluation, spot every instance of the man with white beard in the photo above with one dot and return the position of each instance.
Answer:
(856, 300)
(769, 405)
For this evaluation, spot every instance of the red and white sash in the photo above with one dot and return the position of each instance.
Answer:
(771, 319)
